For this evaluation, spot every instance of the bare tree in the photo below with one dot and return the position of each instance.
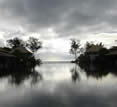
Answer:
(34, 44)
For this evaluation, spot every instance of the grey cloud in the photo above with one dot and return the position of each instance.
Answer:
(14, 34)
(92, 14)
(63, 15)
(2, 42)
(67, 18)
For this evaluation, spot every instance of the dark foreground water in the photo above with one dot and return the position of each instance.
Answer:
(58, 85)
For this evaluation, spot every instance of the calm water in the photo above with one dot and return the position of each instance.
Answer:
(58, 85)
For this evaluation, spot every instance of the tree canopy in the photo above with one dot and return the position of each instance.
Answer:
(34, 44)
(15, 42)
(90, 44)
(75, 47)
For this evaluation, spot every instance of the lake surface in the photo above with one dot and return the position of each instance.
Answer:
(58, 85)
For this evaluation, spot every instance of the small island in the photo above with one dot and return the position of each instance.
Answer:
(19, 55)
(94, 57)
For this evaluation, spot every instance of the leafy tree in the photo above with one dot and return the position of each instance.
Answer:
(75, 47)
(90, 44)
(34, 44)
(16, 42)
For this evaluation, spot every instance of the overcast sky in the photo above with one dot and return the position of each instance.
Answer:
(55, 22)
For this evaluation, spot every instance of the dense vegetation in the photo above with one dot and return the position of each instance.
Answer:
(96, 55)
(20, 54)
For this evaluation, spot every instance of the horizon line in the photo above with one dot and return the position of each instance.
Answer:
(57, 61)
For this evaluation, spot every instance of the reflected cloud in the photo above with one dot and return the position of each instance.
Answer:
(57, 88)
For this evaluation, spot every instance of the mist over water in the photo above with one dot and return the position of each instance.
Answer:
(58, 85)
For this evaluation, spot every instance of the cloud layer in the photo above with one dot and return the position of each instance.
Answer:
(63, 15)
(58, 18)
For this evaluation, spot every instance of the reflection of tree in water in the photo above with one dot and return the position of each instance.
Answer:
(20, 76)
(99, 71)
(75, 73)
(96, 74)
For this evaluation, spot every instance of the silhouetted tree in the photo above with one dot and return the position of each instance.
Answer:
(75, 47)
(90, 44)
(26, 57)
(34, 44)
(16, 42)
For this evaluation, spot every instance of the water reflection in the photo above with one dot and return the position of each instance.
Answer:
(99, 71)
(75, 73)
(57, 88)
(17, 78)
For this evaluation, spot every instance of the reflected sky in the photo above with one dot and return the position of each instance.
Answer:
(63, 85)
